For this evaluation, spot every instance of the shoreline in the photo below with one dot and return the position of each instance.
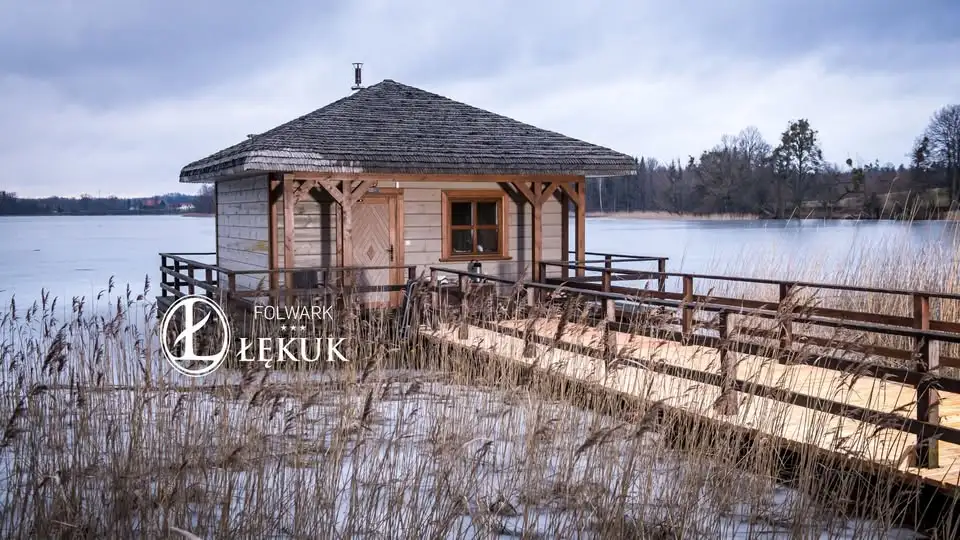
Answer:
(670, 216)
(644, 214)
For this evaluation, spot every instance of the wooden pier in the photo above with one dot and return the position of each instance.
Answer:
(800, 364)
(795, 368)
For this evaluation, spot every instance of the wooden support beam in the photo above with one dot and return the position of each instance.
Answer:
(289, 238)
(581, 240)
(273, 197)
(564, 232)
(547, 192)
(346, 217)
(536, 229)
(570, 190)
(527, 191)
(332, 188)
(359, 188)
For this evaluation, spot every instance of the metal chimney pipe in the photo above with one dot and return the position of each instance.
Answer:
(357, 83)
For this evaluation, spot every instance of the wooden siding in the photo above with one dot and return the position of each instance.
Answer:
(315, 231)
(243, 242)
(423, 235)
(242, 225)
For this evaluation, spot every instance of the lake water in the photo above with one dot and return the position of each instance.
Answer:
(73, 255)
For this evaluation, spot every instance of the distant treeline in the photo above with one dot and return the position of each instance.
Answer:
(171, 203)
(745, 174)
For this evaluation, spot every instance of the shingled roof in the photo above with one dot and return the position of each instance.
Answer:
(394, 128)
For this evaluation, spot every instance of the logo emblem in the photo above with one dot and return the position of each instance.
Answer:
(185, 351)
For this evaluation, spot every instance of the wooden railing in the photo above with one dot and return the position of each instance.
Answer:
(608, 260)
(615, 304)
(181, 275)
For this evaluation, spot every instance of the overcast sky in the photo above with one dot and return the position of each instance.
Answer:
(115, 96)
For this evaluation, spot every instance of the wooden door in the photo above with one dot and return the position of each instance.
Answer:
(376, 239)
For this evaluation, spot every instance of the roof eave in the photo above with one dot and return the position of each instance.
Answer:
(274, 161)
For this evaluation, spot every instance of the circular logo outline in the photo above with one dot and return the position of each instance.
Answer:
(185, 302)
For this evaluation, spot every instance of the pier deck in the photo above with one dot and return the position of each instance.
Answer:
(832, 433)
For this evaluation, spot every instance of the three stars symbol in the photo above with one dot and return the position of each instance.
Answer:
(293, 328)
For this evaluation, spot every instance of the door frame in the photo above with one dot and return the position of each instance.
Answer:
(394, 198)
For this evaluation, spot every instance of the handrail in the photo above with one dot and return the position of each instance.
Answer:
(949, 337)
(649, 274)
(220, 280)
(197, 264)
(637, 258)
(335, 269)
(926, 376)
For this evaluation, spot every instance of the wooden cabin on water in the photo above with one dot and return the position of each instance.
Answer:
(391, 178)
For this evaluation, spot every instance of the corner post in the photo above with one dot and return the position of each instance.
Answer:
(163, 275)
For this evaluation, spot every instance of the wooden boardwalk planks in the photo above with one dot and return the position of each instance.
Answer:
(832, 433)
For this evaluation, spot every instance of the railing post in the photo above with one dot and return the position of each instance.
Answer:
(927, 357)
(208, 278)
(163, 275)
(176, 277)
(727, 403)
(529, 347)
(542, 272)
(686, 314)
(662, 279)
(609, 316)
(231, 285)
(412, 273)
(191, 288)
(464, 307)
(434, 299)
(785, 308)
(609, 308)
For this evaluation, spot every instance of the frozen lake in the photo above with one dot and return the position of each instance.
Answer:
(77, 255)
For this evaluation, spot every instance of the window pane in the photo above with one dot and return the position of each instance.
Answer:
(461, 213)
(462, 241)
(487, 213)
(488, 240)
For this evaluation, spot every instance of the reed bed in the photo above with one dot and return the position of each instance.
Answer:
(405, 440)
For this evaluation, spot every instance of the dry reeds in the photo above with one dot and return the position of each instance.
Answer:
(102, 439)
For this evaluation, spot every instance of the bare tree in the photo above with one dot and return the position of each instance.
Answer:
(751, 144)
(943, 136)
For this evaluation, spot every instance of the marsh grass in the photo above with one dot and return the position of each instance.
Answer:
(406, 440)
